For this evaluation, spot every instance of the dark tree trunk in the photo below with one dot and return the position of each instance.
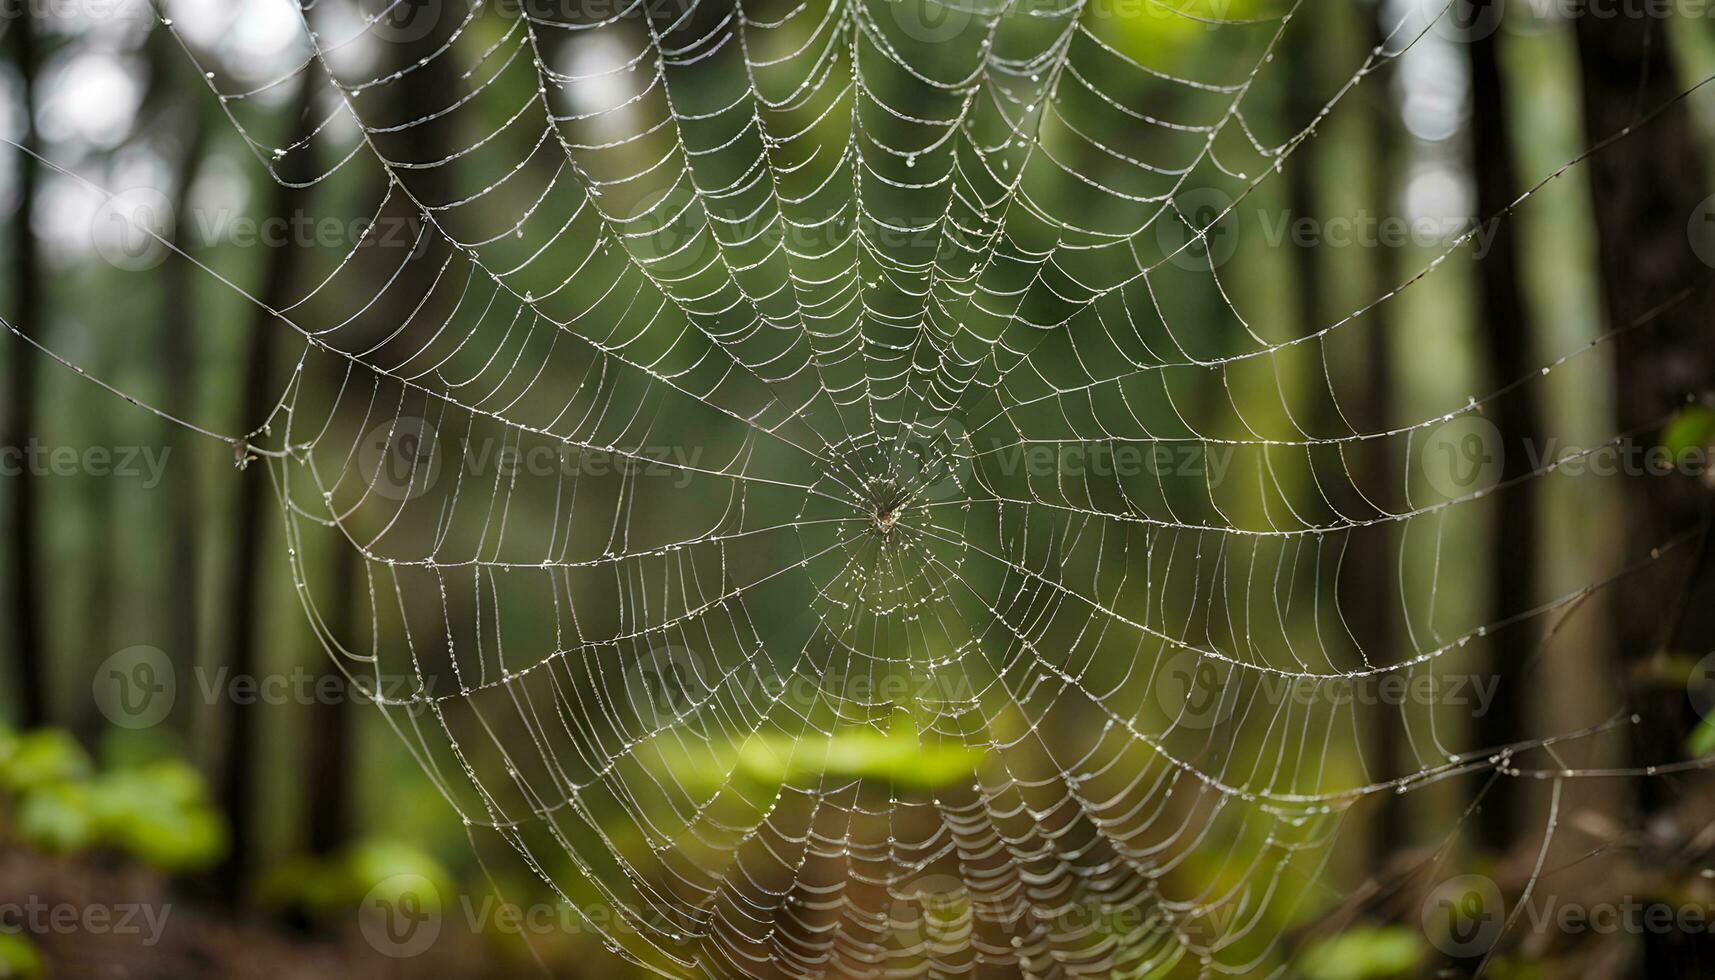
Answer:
(330, 815)
(1374, 575)
(238, 784)
(1366, 585)
(178, 352)
(1507, 333)
(331, 809)
(1646, 190)
(29, 313)
(1645, 194)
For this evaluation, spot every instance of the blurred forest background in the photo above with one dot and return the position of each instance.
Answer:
(263, 806)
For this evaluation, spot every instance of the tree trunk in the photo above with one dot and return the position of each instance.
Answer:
(1645, 195)
(29, 313)
(178, 352)
(1507, 332)
(1374, 574)
(238, 784)
(329, 757)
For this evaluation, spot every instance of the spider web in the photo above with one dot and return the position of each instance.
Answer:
(820, 500)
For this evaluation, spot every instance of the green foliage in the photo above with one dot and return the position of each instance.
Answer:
(335, 885)
(157, 812)
(898, 756)
(159, 815)
(56, 818)
(1163, 34)
(1364, 953)
(1691, 429)
(1701, 741)
(18, 958)
(36, 759)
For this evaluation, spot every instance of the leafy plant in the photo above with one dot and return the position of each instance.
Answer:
(336, 884)
(157, 812)
(18, 958)
(1364, 953)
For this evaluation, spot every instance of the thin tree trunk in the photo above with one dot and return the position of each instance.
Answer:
(1371, 558)
(1507, 332)
(1645, 192)
(178, 351)
(238, 784)
(329, 813)
(29, 313)
(1366, 594)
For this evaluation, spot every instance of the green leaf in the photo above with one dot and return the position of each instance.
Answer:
(899, 756)
(158, 814)
(1364, 953)
(374, 863)
(312, 884)
(1691, 428)
(18, 958)
(46, 756)
(1701, 741)
(56, 818)
(175, 840)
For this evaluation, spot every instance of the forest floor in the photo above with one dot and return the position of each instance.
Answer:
(95, 919)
